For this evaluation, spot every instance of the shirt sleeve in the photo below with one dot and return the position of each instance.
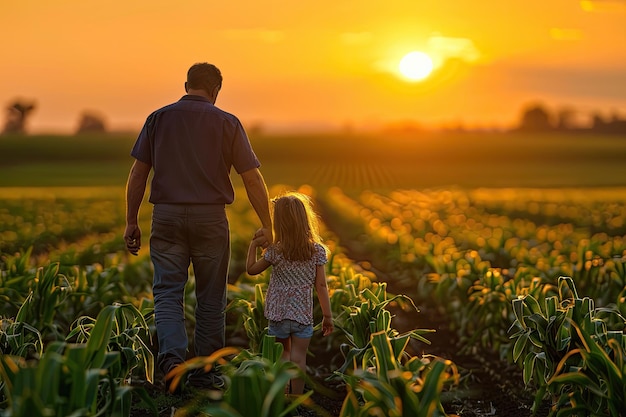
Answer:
(244, 158)
(320, 257)
(142, 150)
(270, 254)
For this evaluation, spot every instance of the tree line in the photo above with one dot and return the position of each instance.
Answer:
(534, 118)
(538, 118)
(20, 111)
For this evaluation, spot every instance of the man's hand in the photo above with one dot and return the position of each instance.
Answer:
(264, 237)
(132, 237)
(135, 188)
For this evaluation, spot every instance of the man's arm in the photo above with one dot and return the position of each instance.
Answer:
(257, 195)
(135, 189)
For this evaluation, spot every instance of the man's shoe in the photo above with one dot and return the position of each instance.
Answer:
(206, 380)
(178, 390)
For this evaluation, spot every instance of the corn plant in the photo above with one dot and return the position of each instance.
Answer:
(19, 339)
(256, 382)
(252, 317)
(598, 386)
(71, 378)
(344, 287)
(367, 316)
(257, 389)
(49, 290)
(545, 334)
(130, 335)
(15, 278)
(96, 287)
(485, 319)
(487, 315)
(395, 388)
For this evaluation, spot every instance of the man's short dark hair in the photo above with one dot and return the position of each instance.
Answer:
(204, 76)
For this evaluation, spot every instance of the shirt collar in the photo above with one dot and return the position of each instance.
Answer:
(195, 98)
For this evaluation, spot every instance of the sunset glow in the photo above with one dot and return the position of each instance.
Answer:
(288, 65)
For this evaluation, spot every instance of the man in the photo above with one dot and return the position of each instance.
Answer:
(190, 146)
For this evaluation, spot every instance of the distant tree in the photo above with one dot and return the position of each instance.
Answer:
(598, 122)
(91, 122)
(613, 124)
(566, 119)
(256, 129)
(535, 118)
(17, 113)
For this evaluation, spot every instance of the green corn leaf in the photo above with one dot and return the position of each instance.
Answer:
(385, 357)
(383, 321)
(529, 367)
(350, 406)
(520, 345)
(399, 344)
(577, 378)
(567, 289)
(540, 321)
(532, 305)
(100, 336)
(50, 374)
(378, 392)
(431, 391)
(89, 392)
(518, 311)
(247, 395)
(551, 306)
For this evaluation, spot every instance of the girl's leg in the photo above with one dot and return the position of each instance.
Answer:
(286, 347)
(299, 347)
(286, 356)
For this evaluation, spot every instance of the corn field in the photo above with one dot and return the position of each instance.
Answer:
(540, 279)
(533, 276)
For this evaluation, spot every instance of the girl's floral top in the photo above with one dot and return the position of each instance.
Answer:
(290, 292)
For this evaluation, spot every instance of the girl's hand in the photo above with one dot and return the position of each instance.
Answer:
(327, 325)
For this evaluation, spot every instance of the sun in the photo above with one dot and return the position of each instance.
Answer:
(416, 66)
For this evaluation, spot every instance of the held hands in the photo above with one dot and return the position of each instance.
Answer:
(132, 237)
(327, 325)
(263, 237)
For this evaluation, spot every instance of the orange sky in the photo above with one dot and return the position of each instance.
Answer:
(319, 64)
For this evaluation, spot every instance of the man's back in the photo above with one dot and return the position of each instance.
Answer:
(192, 146)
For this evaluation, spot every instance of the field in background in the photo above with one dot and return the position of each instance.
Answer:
(353, 162)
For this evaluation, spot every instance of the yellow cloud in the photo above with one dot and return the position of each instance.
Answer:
(447, 47)
(602, 5)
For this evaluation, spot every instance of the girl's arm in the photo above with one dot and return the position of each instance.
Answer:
(255, 266)
(322, 295)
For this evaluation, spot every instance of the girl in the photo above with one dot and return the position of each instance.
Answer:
(297, 257)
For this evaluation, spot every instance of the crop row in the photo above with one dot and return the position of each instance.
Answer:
(498, 262)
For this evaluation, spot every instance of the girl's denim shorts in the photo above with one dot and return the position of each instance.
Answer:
(285, 328)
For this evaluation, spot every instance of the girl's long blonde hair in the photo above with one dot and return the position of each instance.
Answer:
(295, 226)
